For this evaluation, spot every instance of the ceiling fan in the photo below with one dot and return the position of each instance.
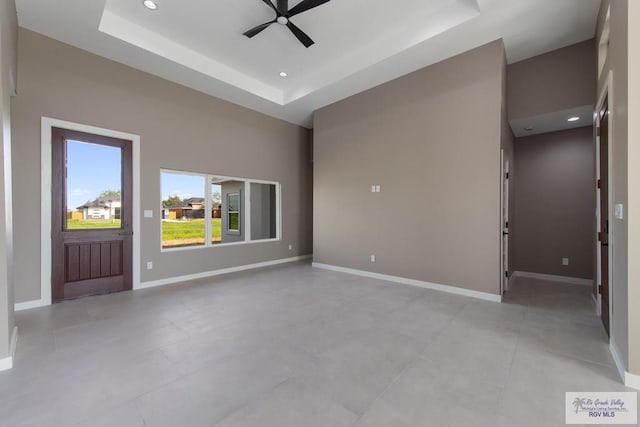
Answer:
(283, 14)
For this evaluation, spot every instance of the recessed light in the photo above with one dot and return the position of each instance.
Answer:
(283, 74)
(150, 4)
(573, 119)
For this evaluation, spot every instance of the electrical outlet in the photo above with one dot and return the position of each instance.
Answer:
(373, 258)
(290, 247)
(150, 265)
(373, 188)
(377, 188)
(565, 261)
(148, 213)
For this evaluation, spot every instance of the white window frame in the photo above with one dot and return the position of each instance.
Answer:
(238, 212)
(245, 210)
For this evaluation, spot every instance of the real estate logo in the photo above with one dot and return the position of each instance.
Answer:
(601, 408)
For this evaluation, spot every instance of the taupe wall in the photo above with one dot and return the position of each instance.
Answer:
(180, 129)
(432, 140)
(552, 82)
(634, 188)
(617, 62)
(8, 39)
(555, 203)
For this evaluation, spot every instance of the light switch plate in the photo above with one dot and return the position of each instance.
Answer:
(148, 213)
(619, 211)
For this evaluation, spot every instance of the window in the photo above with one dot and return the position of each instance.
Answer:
(183, 213)
(263, 211)
(233, 212)
(203, 210)
(93, 182)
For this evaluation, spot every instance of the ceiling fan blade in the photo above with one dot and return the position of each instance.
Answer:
(305, 5)
(304, 39)
(271, 6)
(283, 6)
(255, 30)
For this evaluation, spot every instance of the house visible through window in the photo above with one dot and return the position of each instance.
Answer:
(183, 210)
(92, 188)
(209, 210)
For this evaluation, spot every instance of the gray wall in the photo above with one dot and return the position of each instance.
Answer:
(8, 37)
(555, 203)
(554, 81)
(432, 140)
(180, 129)
(617, 62)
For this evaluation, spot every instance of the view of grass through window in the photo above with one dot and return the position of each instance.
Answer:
(93, 183)
(193, 212)
(183, 210)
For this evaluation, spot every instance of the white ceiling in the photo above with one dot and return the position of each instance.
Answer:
(359, 43)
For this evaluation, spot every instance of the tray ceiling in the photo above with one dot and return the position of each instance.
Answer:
(359, 43)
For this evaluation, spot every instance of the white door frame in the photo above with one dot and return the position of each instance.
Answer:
(45, 194)
(606, 93)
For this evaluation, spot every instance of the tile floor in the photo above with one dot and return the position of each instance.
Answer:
(298, 346)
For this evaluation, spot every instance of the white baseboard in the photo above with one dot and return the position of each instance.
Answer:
(596, 304)
(402, 280)
(29, 305)
(205, 274)
(615, 353)
(7, 362)
(554, 278)
(632, 380)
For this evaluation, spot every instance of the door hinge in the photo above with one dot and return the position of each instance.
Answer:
(598, 131)
(599, 236)
(599, 184)
(600, 289)
(506, 175)
(506, 274)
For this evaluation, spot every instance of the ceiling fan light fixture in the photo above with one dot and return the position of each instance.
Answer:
(283, 16)
(150, 4)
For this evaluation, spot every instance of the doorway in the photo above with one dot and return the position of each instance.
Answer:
(603, 212)
(92, 251)
(504, 212)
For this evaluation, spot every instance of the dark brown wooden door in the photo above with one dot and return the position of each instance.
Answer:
(603, 234)
(91, 236)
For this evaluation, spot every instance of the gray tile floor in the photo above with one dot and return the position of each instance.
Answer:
(298, 346)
